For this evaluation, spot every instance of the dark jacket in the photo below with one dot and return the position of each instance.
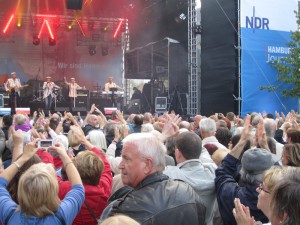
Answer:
(228, 189)
(160, 201)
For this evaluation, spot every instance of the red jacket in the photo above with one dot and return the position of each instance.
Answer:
(95, 196)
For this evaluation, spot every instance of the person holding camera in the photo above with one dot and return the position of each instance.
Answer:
(38, 190)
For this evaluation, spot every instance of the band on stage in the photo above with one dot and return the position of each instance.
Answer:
(51, 91)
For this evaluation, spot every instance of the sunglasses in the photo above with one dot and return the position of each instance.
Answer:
(261, 188)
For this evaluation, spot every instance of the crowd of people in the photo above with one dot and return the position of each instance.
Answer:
(150, 169)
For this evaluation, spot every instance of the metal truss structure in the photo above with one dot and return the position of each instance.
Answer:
(193, 62)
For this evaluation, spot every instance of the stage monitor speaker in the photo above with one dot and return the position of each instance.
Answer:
(160, 104)
(62, 109)
(74, 4)
(82, 110)
(134, 106)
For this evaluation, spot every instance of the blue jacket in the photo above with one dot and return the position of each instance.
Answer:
(228, 189)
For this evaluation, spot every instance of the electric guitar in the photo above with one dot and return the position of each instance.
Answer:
(11, 89)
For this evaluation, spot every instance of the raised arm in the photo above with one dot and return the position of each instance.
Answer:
(238, 149)
(29, 150)
(70, 168)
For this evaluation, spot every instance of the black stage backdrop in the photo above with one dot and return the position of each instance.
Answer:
(219, 72)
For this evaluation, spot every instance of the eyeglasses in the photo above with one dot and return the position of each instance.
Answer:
(261, 188)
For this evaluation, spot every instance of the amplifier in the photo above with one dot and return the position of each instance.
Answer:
(96, 94)
(83, 93)
(82, 101)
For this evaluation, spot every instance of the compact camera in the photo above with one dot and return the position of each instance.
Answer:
(45, 143)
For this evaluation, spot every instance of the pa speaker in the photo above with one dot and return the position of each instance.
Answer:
(74, 4)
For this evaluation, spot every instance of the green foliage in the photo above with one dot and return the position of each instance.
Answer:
(288, 67)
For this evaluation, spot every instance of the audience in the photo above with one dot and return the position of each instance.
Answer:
(119, 170)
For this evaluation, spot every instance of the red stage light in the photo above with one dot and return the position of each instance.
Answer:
(8, 23)
(82, 32)
(42, 27)
(46, 16)
(118, 28)
(49, 29)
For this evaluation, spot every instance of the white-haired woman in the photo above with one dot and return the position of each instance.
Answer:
(38, 192)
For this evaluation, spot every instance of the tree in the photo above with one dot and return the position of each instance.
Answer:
(288, 67)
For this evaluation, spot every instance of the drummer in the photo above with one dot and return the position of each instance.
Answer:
(48, 88)
(73, 87)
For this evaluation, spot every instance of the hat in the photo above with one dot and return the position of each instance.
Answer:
(256, 161)
(13, 73)
(48, 77)
(72, 78)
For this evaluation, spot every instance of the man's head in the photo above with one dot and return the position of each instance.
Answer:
(147, 118)
(207, 127)
(143, 154)
(92, 120)
(110, 79)
(13, 74)
(48, 79)
(185, 124)
(197, 119)
(72, 80)
(270, 127)
(188, 146)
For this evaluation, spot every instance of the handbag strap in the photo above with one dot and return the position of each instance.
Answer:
(91, 210)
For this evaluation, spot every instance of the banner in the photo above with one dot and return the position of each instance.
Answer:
(265, 29)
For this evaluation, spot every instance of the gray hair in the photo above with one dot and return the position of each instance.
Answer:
(109, 128)
(97, 138)
(148, 146)
(20, 119)
(270, 127)
(250, 178)
(147, 127)
(208, 125)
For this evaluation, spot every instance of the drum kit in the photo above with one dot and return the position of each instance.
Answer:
(58, 96)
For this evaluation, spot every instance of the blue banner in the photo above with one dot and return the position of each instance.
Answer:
(264, 34)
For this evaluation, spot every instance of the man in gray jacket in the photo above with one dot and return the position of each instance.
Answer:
(191, 170)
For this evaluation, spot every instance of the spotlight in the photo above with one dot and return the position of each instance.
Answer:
(180, 18)
(52, 41)
(197, 29)
(35, 40)
(104, 51)
(92, 50)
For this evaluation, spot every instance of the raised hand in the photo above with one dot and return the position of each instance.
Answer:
(241, 214)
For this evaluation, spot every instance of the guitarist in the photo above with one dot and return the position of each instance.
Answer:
(13, 86)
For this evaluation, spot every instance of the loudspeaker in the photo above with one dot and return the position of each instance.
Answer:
(134, 106)
(82, 101)
(160, 104)
(74, 4)
(62, 109)
(82, 110)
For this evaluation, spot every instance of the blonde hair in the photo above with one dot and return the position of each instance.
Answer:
(38, 191)
(119, 220)
(73, 141)
(219, 155)
(20, 119)
(272, 176)
(90, 167)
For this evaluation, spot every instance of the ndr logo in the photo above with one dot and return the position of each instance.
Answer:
(257, 22)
